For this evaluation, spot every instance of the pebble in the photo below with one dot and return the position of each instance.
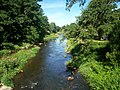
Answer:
(70, 78)
(3, 87)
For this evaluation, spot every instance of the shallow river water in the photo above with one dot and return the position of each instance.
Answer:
(47, 71)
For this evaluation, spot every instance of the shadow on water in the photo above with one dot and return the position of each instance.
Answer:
(47, 71)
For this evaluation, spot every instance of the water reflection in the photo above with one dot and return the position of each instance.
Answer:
(47, 71)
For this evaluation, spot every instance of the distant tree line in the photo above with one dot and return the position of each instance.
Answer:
(54, 28)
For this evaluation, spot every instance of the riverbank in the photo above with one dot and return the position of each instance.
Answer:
(13, 61)
(51, 37)
(47, 70)
(92, 59)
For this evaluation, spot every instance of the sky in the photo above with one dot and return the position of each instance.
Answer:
(55, 11)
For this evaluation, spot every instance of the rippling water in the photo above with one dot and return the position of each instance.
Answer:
(47, 71)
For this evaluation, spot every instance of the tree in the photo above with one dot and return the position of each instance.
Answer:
(99, 15)
(54, 28)
(70, 3)
(114, 35)
(22, 21)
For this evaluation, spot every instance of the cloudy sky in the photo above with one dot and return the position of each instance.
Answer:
(55, 11)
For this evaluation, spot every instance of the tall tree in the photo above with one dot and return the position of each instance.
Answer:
(54, 28)
(22, 21)
(98, 14)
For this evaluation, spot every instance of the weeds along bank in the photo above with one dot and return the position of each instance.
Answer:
(13, 58)
(95, 63)
(13, 61)
(51, 36)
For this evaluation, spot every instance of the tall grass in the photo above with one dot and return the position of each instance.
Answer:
(91, 57)
(50, 37)
(12, 64)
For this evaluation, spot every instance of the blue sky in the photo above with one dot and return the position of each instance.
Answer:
(55, 11)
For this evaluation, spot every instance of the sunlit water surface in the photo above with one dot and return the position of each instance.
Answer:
(47, 71)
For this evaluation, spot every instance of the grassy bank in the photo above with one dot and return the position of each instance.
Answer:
(51, 36)
(12, 62)
(91, 57)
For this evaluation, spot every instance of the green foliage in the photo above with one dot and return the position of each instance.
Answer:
(8, 45)
(51, 37)
(12, 64)
(98, 61)
(4, 52)
(70, 3)
(91, 59)
(21, 21)
(101, 77)
(54, 28)
(114, 38)
(70, 45)
(71, 30)
(114, 44)
(100, 15)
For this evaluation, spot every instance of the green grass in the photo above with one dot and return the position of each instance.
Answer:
(12, 64)
(91, 58)
(100, 77)
(50, 37)
(4, 52)
(71, 43)
(15, 48)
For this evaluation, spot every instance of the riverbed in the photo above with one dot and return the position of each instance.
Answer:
(47, 71)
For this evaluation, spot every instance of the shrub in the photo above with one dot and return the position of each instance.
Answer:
(101, 77)
(8, 46)
(4, 52)
(94, 64)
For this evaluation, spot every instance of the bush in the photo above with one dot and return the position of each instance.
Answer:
(50, 37)
(101, 77)
(92, 60)
(71, 43)
(8, 46)
(4, 52)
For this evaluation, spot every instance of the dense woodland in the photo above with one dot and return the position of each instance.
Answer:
(22, 21)
(95, 45)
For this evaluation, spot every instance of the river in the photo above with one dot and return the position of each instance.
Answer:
(47, 71)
